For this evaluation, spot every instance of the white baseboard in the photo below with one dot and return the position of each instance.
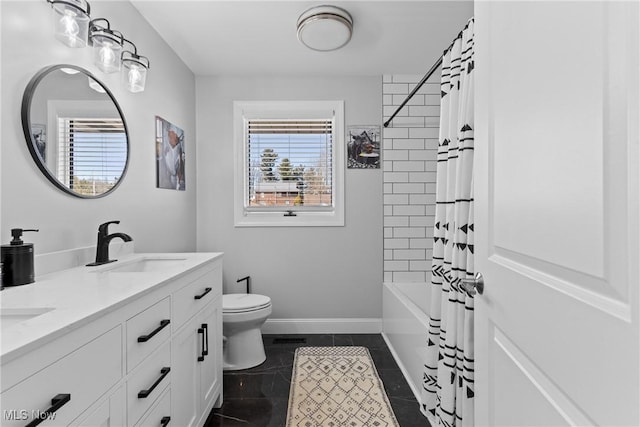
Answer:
(323, 326)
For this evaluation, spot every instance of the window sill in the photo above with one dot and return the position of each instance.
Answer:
(278, 219)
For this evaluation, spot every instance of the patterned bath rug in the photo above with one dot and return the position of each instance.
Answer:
(337, 386)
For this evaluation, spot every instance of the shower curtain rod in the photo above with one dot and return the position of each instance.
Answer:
(426, 76)
(415, 89)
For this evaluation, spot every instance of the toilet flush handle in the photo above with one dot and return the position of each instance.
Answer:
(248, 279)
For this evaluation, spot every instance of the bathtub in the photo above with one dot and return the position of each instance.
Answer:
(405, 319)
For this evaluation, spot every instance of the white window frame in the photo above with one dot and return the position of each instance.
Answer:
(248, 110)
(69, 109)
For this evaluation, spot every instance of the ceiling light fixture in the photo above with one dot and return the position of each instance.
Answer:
(71, 21)
(74, 27)
(325, 28)
(107, 46)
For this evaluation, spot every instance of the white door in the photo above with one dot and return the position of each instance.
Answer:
(556, 191)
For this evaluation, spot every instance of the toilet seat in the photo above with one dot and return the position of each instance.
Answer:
(243, 303)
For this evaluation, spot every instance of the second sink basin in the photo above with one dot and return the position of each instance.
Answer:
(143, 265)
(12, 316)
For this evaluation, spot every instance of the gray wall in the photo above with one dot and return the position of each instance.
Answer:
(338, 273)
(313, 272)
(158, 220)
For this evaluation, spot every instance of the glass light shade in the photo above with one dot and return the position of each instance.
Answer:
(106, 54)
(325, 28)
(71, 24)
(96, 86)
(69, 71)
(134, 75)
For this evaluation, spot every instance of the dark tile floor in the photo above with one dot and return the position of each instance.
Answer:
(259, 396)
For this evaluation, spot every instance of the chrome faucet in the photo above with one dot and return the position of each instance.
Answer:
(104, 238)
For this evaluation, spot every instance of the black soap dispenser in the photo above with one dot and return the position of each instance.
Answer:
(17, 260)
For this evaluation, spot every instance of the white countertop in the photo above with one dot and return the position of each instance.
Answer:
(78, 295)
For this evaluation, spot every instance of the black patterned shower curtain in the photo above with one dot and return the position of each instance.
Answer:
(448, 386)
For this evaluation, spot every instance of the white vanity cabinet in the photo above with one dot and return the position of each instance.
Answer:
(154, 360)
(147, 330)
(61, 391)
(108, 413)
(210, 378)
(157, 415)
(197, 353)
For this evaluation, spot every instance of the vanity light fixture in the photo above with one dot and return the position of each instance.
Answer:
(325, 28)
(71, 21)
(74, 27)
(134, 69)
(107, 45)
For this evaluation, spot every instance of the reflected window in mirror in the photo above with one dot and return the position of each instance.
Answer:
(75, 131)
(92, 153)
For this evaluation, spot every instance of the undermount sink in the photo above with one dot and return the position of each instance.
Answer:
(143, 265)
(12, 316)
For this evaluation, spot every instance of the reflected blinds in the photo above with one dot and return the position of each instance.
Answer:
(289, 164)
(92, 153)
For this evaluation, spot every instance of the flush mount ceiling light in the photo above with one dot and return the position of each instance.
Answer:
(325, 28)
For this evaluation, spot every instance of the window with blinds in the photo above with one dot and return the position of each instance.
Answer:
(290, 164)
(289, 161)
(92, 153)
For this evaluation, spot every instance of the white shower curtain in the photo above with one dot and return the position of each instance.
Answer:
(448, 388)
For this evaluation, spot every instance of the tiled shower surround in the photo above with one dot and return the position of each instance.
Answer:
(410, 147)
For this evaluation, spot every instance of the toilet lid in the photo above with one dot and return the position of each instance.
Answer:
(232, 303)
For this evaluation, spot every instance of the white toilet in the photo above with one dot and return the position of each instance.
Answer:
(242, 317)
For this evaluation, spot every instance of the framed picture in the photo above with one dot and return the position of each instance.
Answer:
(39, 133)
(363, 147)
(170, 156)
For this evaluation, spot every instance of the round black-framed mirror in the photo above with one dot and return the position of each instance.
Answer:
(75, 131)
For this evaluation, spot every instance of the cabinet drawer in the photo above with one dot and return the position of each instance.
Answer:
(84, 375)
(147, 383)
(147, 331)
(110, 412)
(188, 300)
(160, 414)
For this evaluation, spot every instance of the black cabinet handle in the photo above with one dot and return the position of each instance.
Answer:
(206, 291)
(164, 422)
(205, 352)
(163, 324)
(202, 353)
(58, 401)
(143, 394)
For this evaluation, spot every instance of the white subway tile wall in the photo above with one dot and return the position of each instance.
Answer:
(410, 147)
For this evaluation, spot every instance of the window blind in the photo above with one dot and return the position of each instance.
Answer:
(92, 153)
(289, 164)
